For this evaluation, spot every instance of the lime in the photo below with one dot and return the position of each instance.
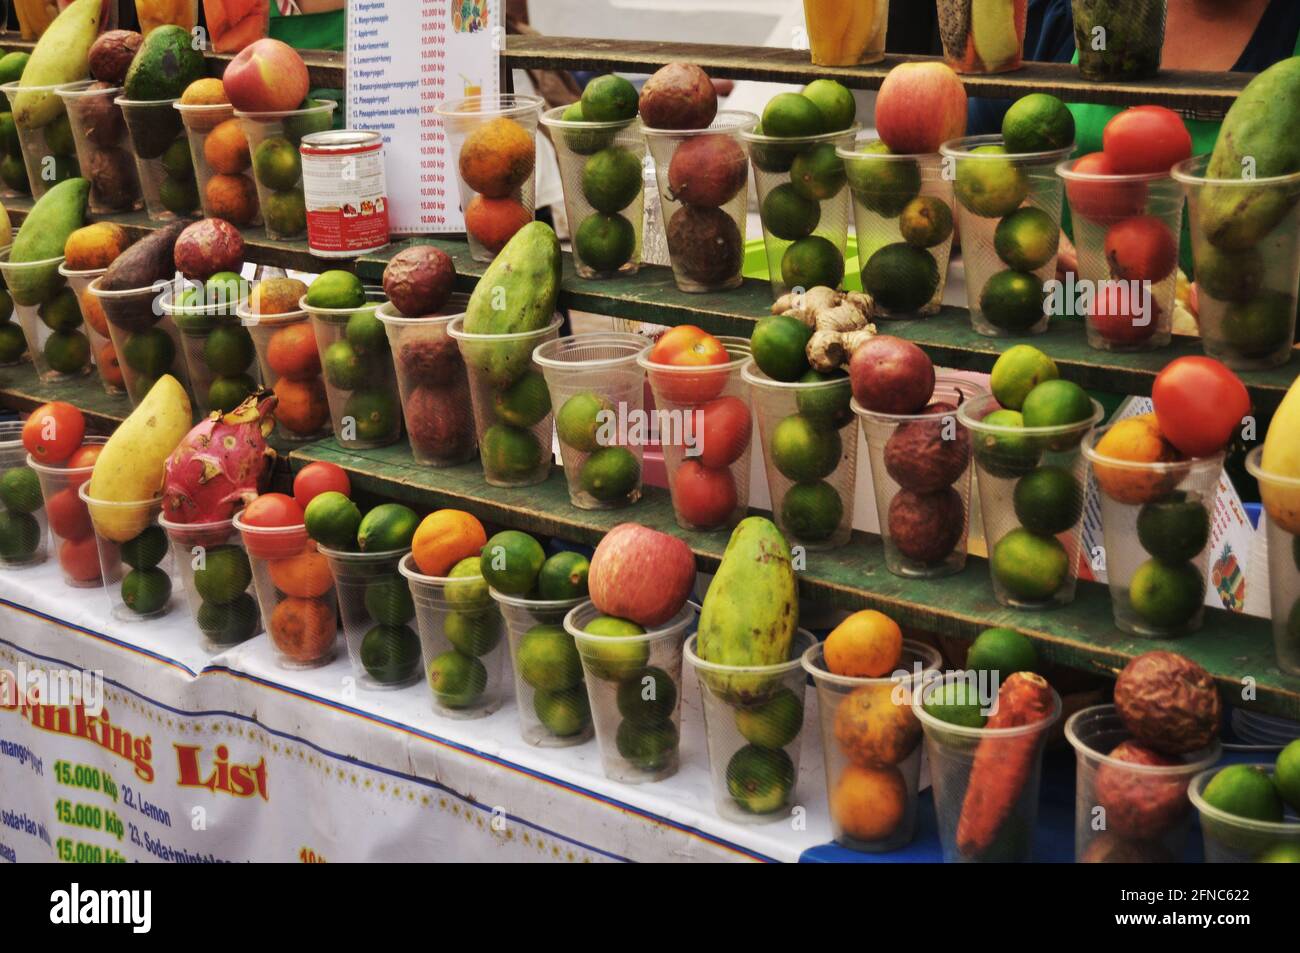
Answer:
(779, 345)
(390, 654)
(178, 197)
(146, 591)
(828, 406)
(647, 695)
(584, 143)
(145, 550)
(804, 452)
(1056, 403)
(67, 352)
(579, 420)
(811, 512)
(612, 179)
(792, 116)
(883, 186)
(336, 290)
(457, 680)
(547, 659)
(389, 526)
(788, 215)
(901, 278)
(615, 655)
(511, 562)
(1167, 596)
(1013, 301)
(957, 703)
(509, 453)
(1048, 501)
(223, 574)
(285, 213)
(525, 403)
(150, 352)
(20, 536)
(609, 98)
(1038, 122)
(610, 474)
(366, 333)
(333, 520)
(229, 624)
(563, 713)
(177, 161)
(20, 490)
(605, 242)
(1258, 327)
(1174, 529)
(466, 588)
(1030, 567)
(1027, 239)
(12, 66)
(319, 120)
(649, 747)
(774, 723)
(228, 350)
(14, 173)
(475, 633)
(812, 262)
(276, 164)
(818, 174)
(1018, 371)
(1002, 650)
(62, 312)
(925, 222)
(835, 101)
(1245, 791)
(227, 393)
(13, 343)
(990, 187)
(375, 415)
(344, 368)
(760, 780)
(388, 600)
(563, 576)
(1286, 774)
(1006, 455)
(224, 289)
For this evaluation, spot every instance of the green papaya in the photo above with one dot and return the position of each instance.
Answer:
(56, 215)
(165, 64)
(62, 55)
(751, 610)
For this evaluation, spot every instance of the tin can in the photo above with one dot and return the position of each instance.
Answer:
(346, 193)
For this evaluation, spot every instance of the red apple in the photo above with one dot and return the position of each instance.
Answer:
(268, 76)
(919, 106)
(641, 574)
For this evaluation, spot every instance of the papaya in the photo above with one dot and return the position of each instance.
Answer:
(1281, 459)
(62, 55)
(56, 215)
(166, 63)
(751, 610)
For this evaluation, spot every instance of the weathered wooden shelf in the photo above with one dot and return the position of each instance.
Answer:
(21, 390)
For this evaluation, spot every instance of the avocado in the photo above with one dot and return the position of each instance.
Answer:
(56, 215)
(166, 63)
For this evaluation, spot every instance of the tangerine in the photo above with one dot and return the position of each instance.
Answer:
(232, 197)
(226, 148)
(868, 644)
(303, 629)
(493, 222)
(291, 352)
(93, 313)
(497, 157)
(873, 728)
(444, 538)
(302, 407)
(110, 369)
(304, 576)
(1135, 440)
(205, 92)
(869, 803)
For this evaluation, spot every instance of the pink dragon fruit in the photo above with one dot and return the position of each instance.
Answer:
(221, 464)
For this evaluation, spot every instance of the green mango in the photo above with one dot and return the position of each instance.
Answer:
(751, 610)
(62, 55)
(56, 215)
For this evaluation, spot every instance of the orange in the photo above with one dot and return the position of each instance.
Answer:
(93, 313)
(497, 157)
(494, 221)
(869, 803)
(276, 296)
(303, 629)
(1136, 440)
(302, 407)
(226, 148)
(291, 352)
(205, 92)
(874, 728)
(868, 644)
(94, 246)
(444, 539)
(305, 576)
(232, 197)
(110, 371)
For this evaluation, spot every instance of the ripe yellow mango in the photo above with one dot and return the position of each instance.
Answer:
(1281, 458)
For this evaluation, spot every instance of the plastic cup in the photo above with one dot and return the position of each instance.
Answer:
(13, 340)
(903, 203)
(921, 495)
(1153, 518)
(494, 139)
(378, 614)
(360, 382)
(22, 527)
(605, 214)
(273, 139)
(840, 35)
(994, 48)
(705, 236)
(49, 150)
(1283, 560)
(709, 485)
(1230, 839)
(218, 349)
(156, 128)
(871, 742)
(1246, 249)
(1009, 757)
(1134, 38)
(595, 383)
(72, 537)
(512, 405)
(1124, 812)
(96, 328)
(290, 365)
(634, 685)
(1032, 484)
(812, 500)
(50, 318)
(295, 591)
(549, 689)
(753, 721)
(1006, 281)
(460, 633)
(199, 122)
(103, 147)
(433, 384)
(217, 577)
(146, 340)
(134, 558)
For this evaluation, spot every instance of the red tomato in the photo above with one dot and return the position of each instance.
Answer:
(271, 511)
(1114, 317)
(1199, 404)
(85, 456)
(1103, 202)
(317, 478)
(53, 432)
(703, 496)
(1141, 249)
(80, 559)
(725, 428)
(688, 346)
(1146, 139)
(68, 516)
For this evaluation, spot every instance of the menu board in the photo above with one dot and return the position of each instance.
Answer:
(403, 59)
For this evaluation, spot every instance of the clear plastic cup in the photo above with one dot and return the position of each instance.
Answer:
(22, 527)
(921, 473)
(1131, 295)
(1155, 520)
(634, 684)
(709, 484)
(992, 46)
(96, 328)
(705, 232)
(1009, 249)
(550, 692)
(812, 493)
(13, 340)
(1132, 35)
(103, 147)
(755, 736)
(146, 341)
(461, 635)
(1127, 812)
(1230, 839)
(50, 317)
(902, 209)
(378, 617)
(360, 381)
(1283, 523)
(1033, 485)
(49, 149)
(433, 384)
(134, 558)
(985, 824)
(871, 742)
(217, 577)
(156, 130)
(152, 14)
(289, 362)
(218, 349)
(228, 198)
(494, 140)
(601, 170)
(841, 34)
(513, 417)
(1246, 249)
(273, 139)
(295, 591)
(595, 382)
(72, 537)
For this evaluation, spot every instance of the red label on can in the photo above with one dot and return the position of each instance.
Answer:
(347, 198)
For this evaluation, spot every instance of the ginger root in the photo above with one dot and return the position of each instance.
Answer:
(840, 321)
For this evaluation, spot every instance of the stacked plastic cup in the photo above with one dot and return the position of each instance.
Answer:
(461, 636)
(45, 135)
(22, 520)
(378, 613)
(161, 155)
(707, 478)
(494, 140)
(513, 417)
(72, 537)
(1231, 839)
(273, 139)
(703, 194)
(753, 721)
(290, 365)
(634, 685)
(993, 45)
(96, 327)
(146, 341)
(217, 577)
(218, 349)
(226, 160)
(50, 316)
(1009, 218)
(1278, 493)
(103, 147)
(134, 558)
(549, 689)
(903, 217)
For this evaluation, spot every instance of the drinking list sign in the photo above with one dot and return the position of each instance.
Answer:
(404, 57)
